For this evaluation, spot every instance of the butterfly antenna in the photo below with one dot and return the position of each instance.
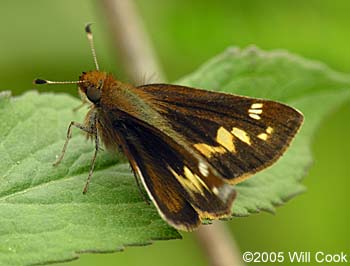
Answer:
(91, 41)
(45, 81)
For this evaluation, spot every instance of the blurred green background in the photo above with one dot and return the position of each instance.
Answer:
(46, 39)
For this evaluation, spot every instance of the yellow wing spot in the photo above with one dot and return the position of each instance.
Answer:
(262, 136)
(255, 111)
(194, 178)
(269, 130)
(265, 135)
(192, 183)
(241, 135)
(208, 150)
(225, 138)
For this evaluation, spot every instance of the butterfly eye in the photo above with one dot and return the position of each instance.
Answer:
(93, 94)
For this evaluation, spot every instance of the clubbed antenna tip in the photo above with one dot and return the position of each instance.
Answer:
(39, 81)
(88, 28)
(91, 41)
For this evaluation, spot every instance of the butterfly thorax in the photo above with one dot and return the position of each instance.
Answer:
(111, 95)
(114, 101)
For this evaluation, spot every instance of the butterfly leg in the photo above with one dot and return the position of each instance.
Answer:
(87, 129)
(92, 166)
(90, 129)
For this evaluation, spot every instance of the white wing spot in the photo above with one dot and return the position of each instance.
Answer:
(255, 116)
(255, 111)
(256, 106)
(215, 191)
(203, 168)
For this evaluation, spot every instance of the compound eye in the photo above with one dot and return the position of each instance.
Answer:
(93, 94)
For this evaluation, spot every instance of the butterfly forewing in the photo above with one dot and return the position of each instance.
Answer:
(236, 135)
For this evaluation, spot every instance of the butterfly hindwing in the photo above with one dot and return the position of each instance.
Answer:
(237, 135)
(183, 188)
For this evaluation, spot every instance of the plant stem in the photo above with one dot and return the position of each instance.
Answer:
(135, 48)
(218, 244)
(131, 40)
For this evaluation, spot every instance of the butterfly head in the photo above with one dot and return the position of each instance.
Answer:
(91, 85)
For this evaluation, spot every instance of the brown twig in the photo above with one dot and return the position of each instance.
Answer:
(218, 244)
(132, 42)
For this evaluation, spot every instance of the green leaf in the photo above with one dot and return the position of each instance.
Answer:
(44, 215)
(310, 86)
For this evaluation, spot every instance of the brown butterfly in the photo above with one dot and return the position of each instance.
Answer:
(188, 146)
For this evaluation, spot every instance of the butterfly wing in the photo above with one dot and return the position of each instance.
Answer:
(237, 135)
(181, 185)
